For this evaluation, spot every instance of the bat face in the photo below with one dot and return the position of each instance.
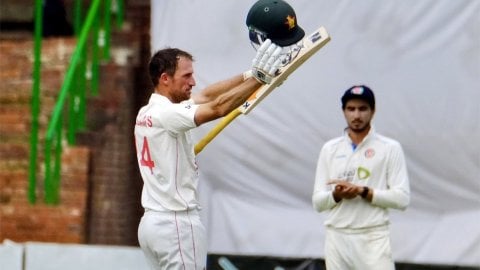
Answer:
(291, 52)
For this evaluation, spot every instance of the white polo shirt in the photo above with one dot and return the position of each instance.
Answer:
(165, 154)
(377, 162)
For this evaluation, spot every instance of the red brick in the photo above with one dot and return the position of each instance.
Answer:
(114, 202)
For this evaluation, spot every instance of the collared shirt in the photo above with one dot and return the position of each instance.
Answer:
(165, 154)
(377, 162)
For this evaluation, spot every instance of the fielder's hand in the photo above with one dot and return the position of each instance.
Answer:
(344, 190)
(267, 62)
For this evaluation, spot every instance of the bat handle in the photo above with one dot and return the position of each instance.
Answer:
(216, 130)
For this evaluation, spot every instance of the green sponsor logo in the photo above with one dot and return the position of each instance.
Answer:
(363, 173)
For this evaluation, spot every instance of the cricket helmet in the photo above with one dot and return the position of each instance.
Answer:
(274, 20)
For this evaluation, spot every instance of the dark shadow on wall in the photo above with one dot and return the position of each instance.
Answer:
(214, 262)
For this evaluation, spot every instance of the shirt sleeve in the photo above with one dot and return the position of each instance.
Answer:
(322, 197)
(180, 117)
(397, 194)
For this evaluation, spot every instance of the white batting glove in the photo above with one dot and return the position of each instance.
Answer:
(267, 62)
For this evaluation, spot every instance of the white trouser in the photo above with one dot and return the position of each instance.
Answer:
(364, 249)
(173, 240)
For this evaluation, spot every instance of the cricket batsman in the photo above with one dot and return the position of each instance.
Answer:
(170, 233)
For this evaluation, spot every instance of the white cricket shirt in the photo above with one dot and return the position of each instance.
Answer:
(165, 154)
(377, 162)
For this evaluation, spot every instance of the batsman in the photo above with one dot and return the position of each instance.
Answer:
(170, 233)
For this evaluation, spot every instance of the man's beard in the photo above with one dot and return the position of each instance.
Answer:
(180, 97)
(359, 128)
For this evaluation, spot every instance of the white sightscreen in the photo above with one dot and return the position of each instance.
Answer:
(421, 58)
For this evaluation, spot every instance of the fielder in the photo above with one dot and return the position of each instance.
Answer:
(170, 232)
(359, 176)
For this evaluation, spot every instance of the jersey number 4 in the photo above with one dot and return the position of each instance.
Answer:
(146, 158)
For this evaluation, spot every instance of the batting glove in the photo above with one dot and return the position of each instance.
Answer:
(267, 62)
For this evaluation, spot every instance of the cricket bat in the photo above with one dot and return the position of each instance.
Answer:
(310, 45)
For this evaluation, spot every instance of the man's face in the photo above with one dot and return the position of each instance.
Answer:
(358, 115)
(182, 81)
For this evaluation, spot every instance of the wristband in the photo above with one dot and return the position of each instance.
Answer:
(364, 193)
(247, 75)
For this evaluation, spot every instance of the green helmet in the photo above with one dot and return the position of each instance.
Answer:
(274, 20)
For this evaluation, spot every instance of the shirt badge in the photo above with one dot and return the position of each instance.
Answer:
(369, 153)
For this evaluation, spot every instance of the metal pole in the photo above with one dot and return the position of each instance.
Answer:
(32, 172)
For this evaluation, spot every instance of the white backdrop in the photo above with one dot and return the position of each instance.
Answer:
(421, 58)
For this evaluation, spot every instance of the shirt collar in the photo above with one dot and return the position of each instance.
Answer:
(157, 98)
(370, 134)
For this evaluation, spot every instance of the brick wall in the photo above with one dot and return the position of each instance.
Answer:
(115, 187)
(115, 181)
(19, 219)
(100, 184)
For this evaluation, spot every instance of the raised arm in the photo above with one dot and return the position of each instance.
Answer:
(226, 102)
(221, 98)
(212, 91)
